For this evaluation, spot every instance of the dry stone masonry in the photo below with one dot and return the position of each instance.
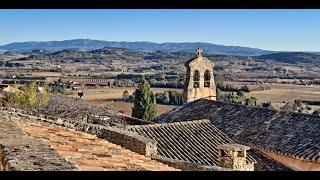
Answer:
(88, 152)
(234, 156)
(126, 139)
(19, 152)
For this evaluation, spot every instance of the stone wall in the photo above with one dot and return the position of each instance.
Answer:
(188, 166)
(242, 165)
(126, 139)
(238, 163)
(129, 140)
(20, 152)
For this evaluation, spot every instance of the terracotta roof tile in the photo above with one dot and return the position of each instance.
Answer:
(87, 152)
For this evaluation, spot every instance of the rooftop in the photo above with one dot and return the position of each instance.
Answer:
(18, 151)
(193, 141)
(235, 147)
(54, 144)
(292, 134)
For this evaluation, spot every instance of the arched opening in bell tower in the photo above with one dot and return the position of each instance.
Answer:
(207, 78)
(196, 79)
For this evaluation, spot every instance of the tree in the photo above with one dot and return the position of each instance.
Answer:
(298, 105)
(166, 97)
(28, 97)
(131, 98)
(144, 102)
(43, 96)
(219, 95)
(12, 99)
(125, 95)
(252, 101)
(159, 98)
(245, 88)
(240, 93)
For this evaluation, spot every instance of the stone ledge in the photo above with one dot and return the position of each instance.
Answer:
(126, 139)
(86, 151)
(129, 140)
(187, 166)
(19, 152)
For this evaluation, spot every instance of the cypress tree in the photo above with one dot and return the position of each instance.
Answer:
(144, 102)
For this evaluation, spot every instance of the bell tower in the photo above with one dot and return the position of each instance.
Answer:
(200, 79)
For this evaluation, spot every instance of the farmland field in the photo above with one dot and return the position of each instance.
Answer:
(45, 74)
(287, 93)
(126, 108)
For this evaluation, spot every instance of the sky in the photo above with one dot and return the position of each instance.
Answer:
(280, 30)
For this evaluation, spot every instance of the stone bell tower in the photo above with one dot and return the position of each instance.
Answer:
(200, 79)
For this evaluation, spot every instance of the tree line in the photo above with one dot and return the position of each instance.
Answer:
(170, 97)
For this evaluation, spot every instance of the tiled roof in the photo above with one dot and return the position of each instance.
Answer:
(265, 163)
(192, 141)
(88, 152)
(293, 134)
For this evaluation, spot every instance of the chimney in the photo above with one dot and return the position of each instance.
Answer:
(234, 156)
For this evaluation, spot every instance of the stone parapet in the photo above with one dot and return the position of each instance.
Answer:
(19, 152)
(126, 139)
(188, 166)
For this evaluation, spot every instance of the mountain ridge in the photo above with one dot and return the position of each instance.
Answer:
(89, 44)
(292, 57)
(157, 56)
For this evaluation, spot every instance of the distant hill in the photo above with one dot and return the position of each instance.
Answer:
(41, 51)
(292, 57)
(88, 45)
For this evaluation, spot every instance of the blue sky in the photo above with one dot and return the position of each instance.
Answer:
(283, 30)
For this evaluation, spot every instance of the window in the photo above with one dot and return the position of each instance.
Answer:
(196, 79)
(207, 78)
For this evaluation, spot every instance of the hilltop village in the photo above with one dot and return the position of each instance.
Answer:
(199, 133)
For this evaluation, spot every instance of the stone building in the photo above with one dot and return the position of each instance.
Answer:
(200, 79)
